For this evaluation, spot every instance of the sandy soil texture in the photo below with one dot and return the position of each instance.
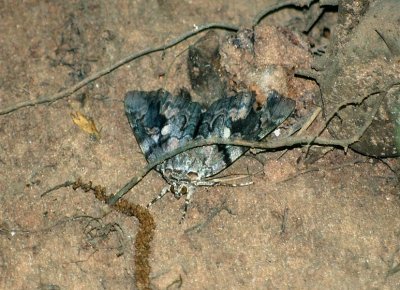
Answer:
(326, 222)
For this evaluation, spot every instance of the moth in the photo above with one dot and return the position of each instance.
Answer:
(162, 122)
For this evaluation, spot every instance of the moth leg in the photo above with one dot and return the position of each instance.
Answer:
(187, 202)
(222, 182)
(162, 193)
(206, 183)
(247, 183)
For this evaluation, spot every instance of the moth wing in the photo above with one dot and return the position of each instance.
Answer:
(237, 117)
(160, 121)
(276, 110)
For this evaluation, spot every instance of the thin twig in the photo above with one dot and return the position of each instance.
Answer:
(214, 212)
(284, 220)
(276, 144)
(309, 74)
(346, 103)
(49, 228)
(391, 44)
(315, 169)
(65, 184)
(282, 4)
(309, 121)
(129, 58)
(305, 126)
(314, 20)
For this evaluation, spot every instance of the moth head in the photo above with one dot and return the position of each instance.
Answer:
(179, 189)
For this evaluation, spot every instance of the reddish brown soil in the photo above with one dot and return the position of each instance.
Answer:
(333, 224)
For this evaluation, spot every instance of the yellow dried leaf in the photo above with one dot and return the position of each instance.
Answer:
(86, 124)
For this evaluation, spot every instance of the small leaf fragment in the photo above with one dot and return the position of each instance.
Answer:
(86, 124)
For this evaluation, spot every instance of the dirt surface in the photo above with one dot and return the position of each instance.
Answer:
(331, 224)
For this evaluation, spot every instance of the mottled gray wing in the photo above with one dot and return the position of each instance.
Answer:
(161, 122)
(239, 117)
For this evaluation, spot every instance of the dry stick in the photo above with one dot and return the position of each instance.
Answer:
(273, 8)
(310, 74)
(287, 142)
(390, 43)
(65, 184)
(48, 228)
(309, 121)
(314, 20)
(358, 101)
(354, 102)
(298, 4)
(305, 126)
(97, 75)
(314, 169)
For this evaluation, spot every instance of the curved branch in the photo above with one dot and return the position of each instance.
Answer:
(67, 92)
(278, 6)
(276, 144)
